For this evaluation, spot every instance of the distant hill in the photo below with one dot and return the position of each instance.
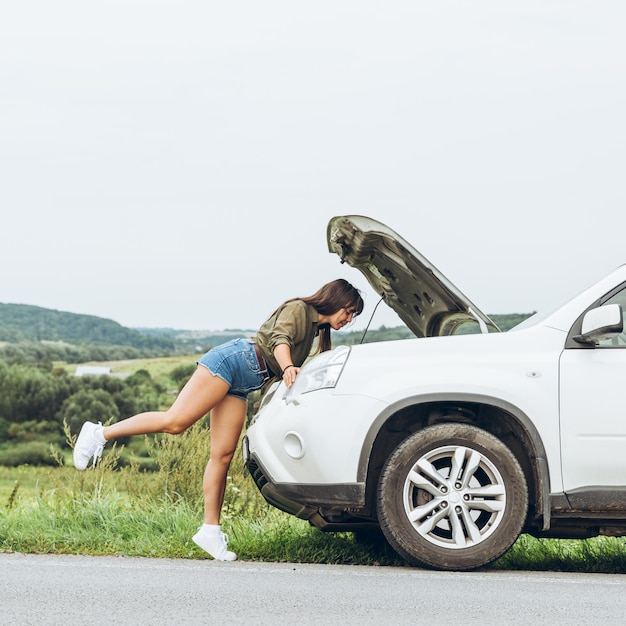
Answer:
(32, 333)
(26, 323)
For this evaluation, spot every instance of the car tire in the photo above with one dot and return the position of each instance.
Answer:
(461, 522)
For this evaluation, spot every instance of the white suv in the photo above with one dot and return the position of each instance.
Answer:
(453, 443)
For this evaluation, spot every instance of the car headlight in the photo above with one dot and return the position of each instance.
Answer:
(321, 372)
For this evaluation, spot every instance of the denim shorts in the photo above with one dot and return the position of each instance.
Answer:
(236, 363)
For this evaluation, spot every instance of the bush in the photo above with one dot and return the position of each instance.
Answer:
(181, 374)
(88, 406)
(33, 453)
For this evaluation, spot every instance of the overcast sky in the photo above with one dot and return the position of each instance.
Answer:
(175, 163)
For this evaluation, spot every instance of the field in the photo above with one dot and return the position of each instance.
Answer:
(159, 368)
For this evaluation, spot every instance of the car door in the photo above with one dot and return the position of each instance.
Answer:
(593, 419)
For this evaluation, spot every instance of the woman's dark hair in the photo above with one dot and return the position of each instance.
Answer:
(327, 300)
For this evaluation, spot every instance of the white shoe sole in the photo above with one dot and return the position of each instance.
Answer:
(214, 547)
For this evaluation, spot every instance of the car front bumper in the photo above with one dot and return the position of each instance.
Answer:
(303, 501)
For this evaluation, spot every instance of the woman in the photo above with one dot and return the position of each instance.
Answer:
(221, 383)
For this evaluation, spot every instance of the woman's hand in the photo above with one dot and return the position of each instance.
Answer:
(282, 354)
(289, 374)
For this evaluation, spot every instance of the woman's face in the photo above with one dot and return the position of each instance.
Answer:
(342, 317)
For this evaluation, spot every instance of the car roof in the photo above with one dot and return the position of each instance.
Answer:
(424, 299)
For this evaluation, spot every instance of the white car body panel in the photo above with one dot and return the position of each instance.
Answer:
(332, 445)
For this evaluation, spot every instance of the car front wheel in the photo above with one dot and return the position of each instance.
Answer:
(453, 497)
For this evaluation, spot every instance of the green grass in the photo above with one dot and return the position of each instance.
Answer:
(601, 555)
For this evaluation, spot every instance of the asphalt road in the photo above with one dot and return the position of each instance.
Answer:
(67, 590)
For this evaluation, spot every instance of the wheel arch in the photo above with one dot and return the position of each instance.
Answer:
(500, 418)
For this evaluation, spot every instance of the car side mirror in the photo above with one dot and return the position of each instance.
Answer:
(602, 322)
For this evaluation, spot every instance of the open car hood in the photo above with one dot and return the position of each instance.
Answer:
(426, 301)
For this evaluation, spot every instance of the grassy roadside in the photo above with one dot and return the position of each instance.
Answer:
(131, 513)
(108, 511)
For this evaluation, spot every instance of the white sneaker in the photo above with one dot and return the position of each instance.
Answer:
(87, 446)
(214, 544)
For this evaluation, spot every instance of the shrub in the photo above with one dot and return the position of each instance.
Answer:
(181, 374)
(86, 405)
(33, 453)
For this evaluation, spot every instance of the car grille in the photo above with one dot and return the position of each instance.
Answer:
(257, 474)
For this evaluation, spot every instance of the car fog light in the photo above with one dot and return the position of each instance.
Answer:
(294, 446)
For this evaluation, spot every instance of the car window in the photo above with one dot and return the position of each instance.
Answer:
(620, 340)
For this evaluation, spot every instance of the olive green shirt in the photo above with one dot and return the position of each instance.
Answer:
(295, 324)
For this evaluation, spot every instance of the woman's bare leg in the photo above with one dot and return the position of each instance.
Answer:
(202, 392)
(227, 419)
